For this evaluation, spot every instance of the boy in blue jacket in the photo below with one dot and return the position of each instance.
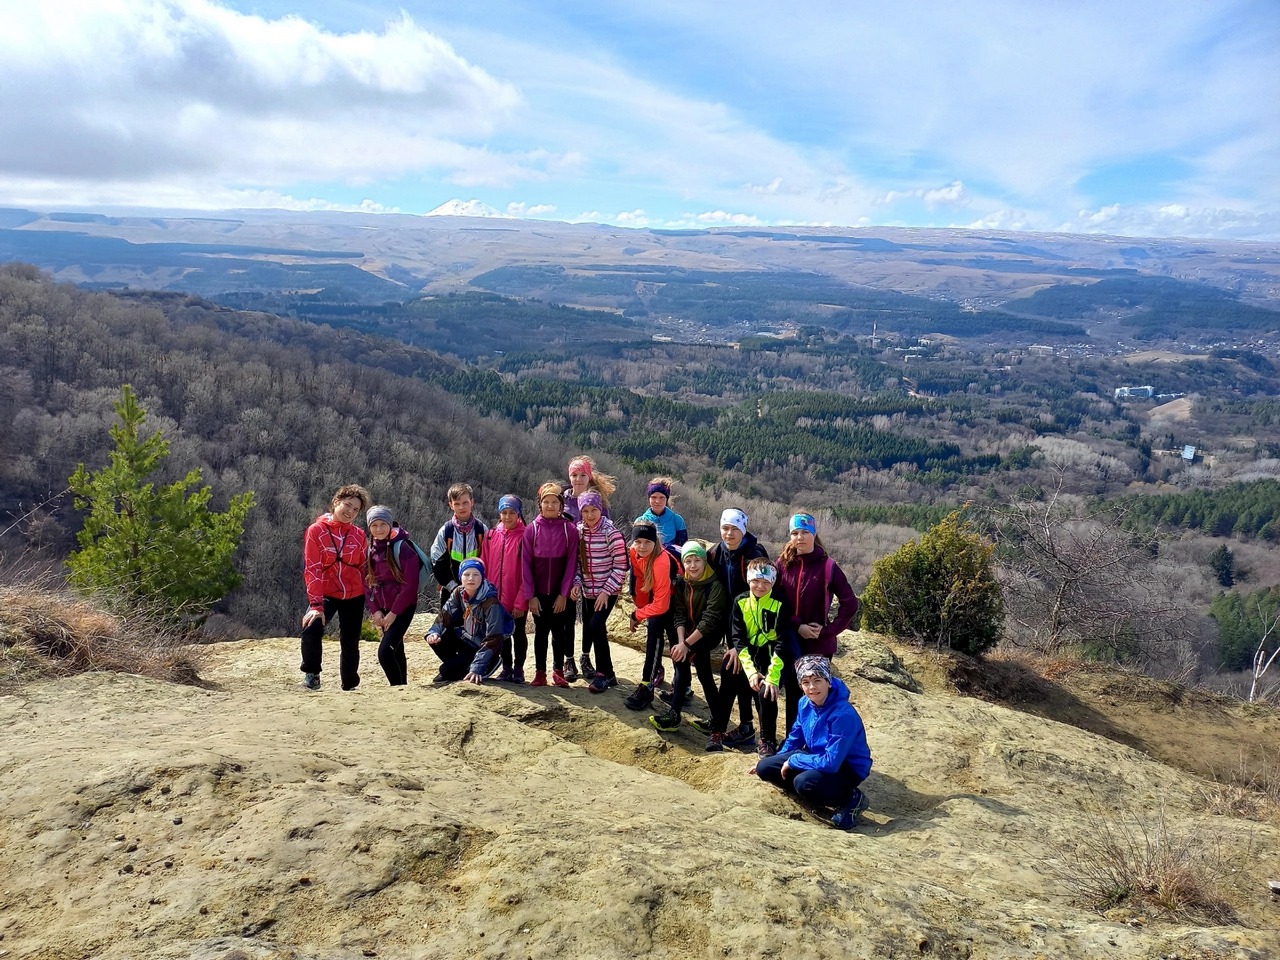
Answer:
(825, 756)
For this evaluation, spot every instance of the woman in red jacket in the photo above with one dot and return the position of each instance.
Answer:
(809, 580)
(334, 552)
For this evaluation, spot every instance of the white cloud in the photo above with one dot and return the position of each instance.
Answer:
(519, 208)
(722, 218)
(139, 91)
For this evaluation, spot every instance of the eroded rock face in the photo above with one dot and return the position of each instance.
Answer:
(261, 821)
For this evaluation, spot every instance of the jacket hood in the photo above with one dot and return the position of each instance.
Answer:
(486, 591)
(839, 694)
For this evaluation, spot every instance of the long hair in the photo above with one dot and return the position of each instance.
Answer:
(646, 583)
(396, 573)
(601, 483)
(789, 553)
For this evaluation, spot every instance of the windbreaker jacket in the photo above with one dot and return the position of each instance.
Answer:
(731, 565)
(829, 736)
(452, 547)
(501, 554)
(806, 586)
(387, 593)
(670, 525)
(602, 565)
(764, 637)
(333, 558)
(549, 560)
(655, 602)
(480, 623)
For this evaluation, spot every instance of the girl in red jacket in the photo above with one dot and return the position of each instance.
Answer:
(502, 553)
(333, 554)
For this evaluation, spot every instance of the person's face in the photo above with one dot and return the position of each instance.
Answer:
(462, 507)
(346, 509)
(657, 502)
(508, 516)
(644, 548)
(578, 480)
(816, 689)
(549, 506)
(759, 588)
(694, 565)
(471, 581)
(591, 516)
(803, 541)
(380, 529)
(731, 536)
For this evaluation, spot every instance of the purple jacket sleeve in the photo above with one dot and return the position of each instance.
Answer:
(848, 607)
(571, 561)
(411, 569)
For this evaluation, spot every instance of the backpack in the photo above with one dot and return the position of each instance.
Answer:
(422, 557)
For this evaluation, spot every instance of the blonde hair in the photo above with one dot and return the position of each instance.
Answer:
(601, 483)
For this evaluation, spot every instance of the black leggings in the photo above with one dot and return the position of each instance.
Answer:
(520, 639)
(595, 636)
(391, 653)
(660, 631)
(560, 628)
(350, 615)
(701, 657)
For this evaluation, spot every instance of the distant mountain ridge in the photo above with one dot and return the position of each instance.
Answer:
(467, 208)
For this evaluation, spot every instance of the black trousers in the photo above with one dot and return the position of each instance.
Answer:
(595, 636)
(700, 656)
(350, 615)
(559, 627)
(391, 653)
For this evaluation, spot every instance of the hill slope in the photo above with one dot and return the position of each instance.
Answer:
(255, 820)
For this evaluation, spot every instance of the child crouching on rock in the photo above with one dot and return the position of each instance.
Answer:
(469, 632)
(825, 756)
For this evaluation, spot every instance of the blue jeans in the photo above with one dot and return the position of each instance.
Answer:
(813, 786)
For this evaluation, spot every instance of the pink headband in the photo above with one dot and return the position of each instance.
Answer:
(581, 464)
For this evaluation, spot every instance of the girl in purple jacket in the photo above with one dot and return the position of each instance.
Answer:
(392, 570)
(810, 580)
(549, 560)
(502, 553)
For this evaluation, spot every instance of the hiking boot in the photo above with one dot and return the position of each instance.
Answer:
(612, 681)
(702, 726)
(517, 675)
(559, 679)
(311, 681)
(507, 675)
(850, 815)
(640, 697)
(539, 679)
(715, 742)
(588, 670)
(440, 680)
(665, 722)
(766, 748)
(569, 671)
(742, 737)
(599, 683)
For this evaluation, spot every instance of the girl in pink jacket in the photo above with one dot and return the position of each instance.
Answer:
(502, 554)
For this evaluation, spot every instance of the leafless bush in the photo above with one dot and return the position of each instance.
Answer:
(1128, 859)
(1249, 790)
(45, 631)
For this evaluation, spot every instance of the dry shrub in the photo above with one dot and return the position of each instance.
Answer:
(47, 632)
(1250, 790)
(1133, 861)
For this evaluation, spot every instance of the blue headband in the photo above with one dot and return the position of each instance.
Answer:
(511, 502)
(805, 522)
(472, 563)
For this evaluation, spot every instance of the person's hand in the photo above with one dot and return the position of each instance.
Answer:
(519, 613)
(810, 631)
(633, 623)
(576, 593)
(731, 661)
(433, 638)
(755, 682)
(751, 771)
(786, 769)
(311, 616)
(473, 677)
(387, 620)
(769, 691)
(602, 602)
(535, 607)
(561, 602)
(680, 652)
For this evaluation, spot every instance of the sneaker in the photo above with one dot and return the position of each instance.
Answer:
(669, 695)
(517, 675)
(588, 670)
(850, 815)
(559, 679)
(506, 676)
(665, 722)
(741, 737)
(440, 680)
(766, 748)
(612, 681)
(702, 726)
(539, 679)
(569, 671)
(640, 697)
(311, 681)
(715, 742)
(599, 683)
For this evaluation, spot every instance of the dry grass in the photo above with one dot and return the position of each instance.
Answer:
(47, 632)
(1133, 861)
(1250, 790)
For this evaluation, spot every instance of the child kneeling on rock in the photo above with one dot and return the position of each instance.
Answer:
(469, 632)
(825, 756)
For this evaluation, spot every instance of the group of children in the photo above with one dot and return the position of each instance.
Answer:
(765, 625)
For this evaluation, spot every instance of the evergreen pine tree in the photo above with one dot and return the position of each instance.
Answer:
(160, 548)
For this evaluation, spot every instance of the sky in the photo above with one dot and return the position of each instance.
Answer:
(1120, 117)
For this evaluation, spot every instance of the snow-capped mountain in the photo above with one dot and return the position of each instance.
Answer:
(467, 208)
